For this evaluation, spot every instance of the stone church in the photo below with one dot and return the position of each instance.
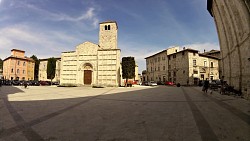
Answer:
(94, 64)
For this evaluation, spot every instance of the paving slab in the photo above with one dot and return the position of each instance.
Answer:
(120, 114)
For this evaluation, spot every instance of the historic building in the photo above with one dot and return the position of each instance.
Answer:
(156, 65)
(42, 76)
(188, 66)
(232, 20)
(185, 66)
(94, 64)
(18, 67)
(217, 54)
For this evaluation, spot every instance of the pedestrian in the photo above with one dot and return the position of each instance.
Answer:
(206, 85)
(25, 84)
(222, 89)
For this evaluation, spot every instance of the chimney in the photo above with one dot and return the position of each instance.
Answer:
(204, 50)
(184, 48)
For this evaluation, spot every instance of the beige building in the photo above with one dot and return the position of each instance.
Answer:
(232, 20)
(42, 76)
(181, 66)
(157, 65)
(94, 64)
(188, 66)
(18, 67)
(217, 54)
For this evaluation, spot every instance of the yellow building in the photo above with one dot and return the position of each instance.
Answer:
(18, 67)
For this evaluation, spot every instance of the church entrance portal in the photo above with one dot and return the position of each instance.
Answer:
(87, 77)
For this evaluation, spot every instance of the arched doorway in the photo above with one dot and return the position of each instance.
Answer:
(87, 77)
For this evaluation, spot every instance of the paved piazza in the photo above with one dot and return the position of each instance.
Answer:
(121, 114)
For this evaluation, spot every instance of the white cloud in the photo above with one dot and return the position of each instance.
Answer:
(47, 43)
(86, 16)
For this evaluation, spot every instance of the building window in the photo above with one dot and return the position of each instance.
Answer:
(211, 77)
(163, 67)
(169, 66)
(205, 63)
(151, 69)
(23, 71)
(212, 64)
(183, 53)
(17, 70)
(174, 74)
(159, 59)
(158, 68)
(155, 68)
(169, 74)
(202, 76)
(169, 58)
(194, 53)
(12, 70)
(174, 56)
(106, 27)
(23, 63)
(183, 71)
(195, 72)
(194, 62)
(18, 62)
(23, 78)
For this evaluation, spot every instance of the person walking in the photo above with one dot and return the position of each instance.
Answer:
(222, 87)
(206, 85)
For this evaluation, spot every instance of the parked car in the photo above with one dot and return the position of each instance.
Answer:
(15, 82)
(160, 83)
(169, 83)
(34, 83)
(152, 83)
(43, 83)
(145, 83)
(55, 83)
(7, 82)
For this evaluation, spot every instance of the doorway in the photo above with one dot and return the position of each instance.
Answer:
(87, 77)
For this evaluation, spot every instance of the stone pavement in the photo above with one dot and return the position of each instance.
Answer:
(121, 114)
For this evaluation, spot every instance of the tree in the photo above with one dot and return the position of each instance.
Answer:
(1, 64)
(51, 68)
(128, 68)
(36, 69)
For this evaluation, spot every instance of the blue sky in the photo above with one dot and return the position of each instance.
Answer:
(48, 27)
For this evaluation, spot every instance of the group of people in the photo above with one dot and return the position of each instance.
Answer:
(206, 85)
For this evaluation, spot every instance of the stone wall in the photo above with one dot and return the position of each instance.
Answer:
(109, 67)
(232, 21)
(42, 76)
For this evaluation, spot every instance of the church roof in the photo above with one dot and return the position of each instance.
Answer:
(108, 21)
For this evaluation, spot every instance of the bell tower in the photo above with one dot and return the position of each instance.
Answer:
(108, 35)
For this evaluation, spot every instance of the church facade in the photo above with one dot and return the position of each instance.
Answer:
(94, 64)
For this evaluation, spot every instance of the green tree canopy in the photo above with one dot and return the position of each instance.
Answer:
(51, 68)
(36, 69)
(128, 68)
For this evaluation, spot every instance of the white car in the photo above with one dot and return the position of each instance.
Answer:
(152, 83)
